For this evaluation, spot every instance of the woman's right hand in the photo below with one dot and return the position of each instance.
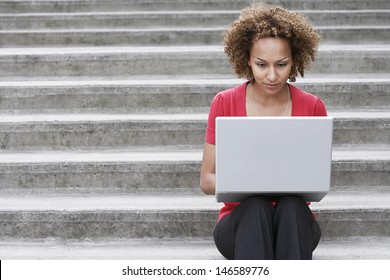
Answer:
(207, 174)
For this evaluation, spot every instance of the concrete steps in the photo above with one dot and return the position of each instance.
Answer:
(172, 60)
(96, 131)
(161, 170)
(80, 23)
(103, 109)
(171, 95)
(160, 19)
(171, 249)
(170, 216)
(71, 6)
(170, 36)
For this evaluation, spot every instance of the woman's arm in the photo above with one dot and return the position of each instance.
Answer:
(207, 174)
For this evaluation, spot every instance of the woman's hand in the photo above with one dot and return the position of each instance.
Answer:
(207, 175)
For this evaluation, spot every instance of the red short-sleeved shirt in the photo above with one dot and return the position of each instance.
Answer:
(232, 102)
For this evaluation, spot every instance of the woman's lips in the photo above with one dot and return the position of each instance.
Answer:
(272, 86)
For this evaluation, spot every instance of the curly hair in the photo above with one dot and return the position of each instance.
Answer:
(261, 21)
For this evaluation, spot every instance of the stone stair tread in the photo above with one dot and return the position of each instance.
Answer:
(143, 29)
(174, 28)
(334, 201)
(134, 155)
(138, 203)
(183, 14)
(167, 49)
(147, 13)
(195, 80)
(158, 35)
(161, 154)
(51, 118)
(96, 117)
(190, 12)
(181, 249)
(219, 17)
(352, 154)
(130, 61)
(68, 5)
(353, 27)
(137, 81)
(110, 49)
(378, 248)
(370, 114)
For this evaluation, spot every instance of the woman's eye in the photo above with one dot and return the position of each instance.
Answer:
(261, 65)
(282, 64)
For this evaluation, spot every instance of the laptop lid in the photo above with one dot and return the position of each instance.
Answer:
(273, 156)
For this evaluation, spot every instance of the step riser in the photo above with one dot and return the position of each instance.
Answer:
(118, 38)
(169, 37)
(120, 5)
(128, 64)
(122, 134)
(163, 177)
(101, 178)
(365, 35)
(361, 132)
(81, 225)
(98, 136)
(164, 98)
(150, 20)
(350, 223)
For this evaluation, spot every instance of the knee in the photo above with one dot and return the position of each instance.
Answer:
(291, 203)
(257, 202)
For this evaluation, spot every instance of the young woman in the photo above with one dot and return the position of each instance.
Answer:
(267, 45)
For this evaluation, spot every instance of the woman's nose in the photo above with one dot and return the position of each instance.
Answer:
(271, 75)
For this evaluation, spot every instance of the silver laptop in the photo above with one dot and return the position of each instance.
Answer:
(273, 156)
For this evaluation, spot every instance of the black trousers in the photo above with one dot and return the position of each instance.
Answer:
(257, 230)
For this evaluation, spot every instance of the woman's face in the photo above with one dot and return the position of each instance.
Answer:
(271, 62)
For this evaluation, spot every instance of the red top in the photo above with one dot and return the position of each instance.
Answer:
(232, 102)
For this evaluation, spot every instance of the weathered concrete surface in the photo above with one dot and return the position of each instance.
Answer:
(101, 146)
(129, 61)
(341, 215)
(179, 249)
